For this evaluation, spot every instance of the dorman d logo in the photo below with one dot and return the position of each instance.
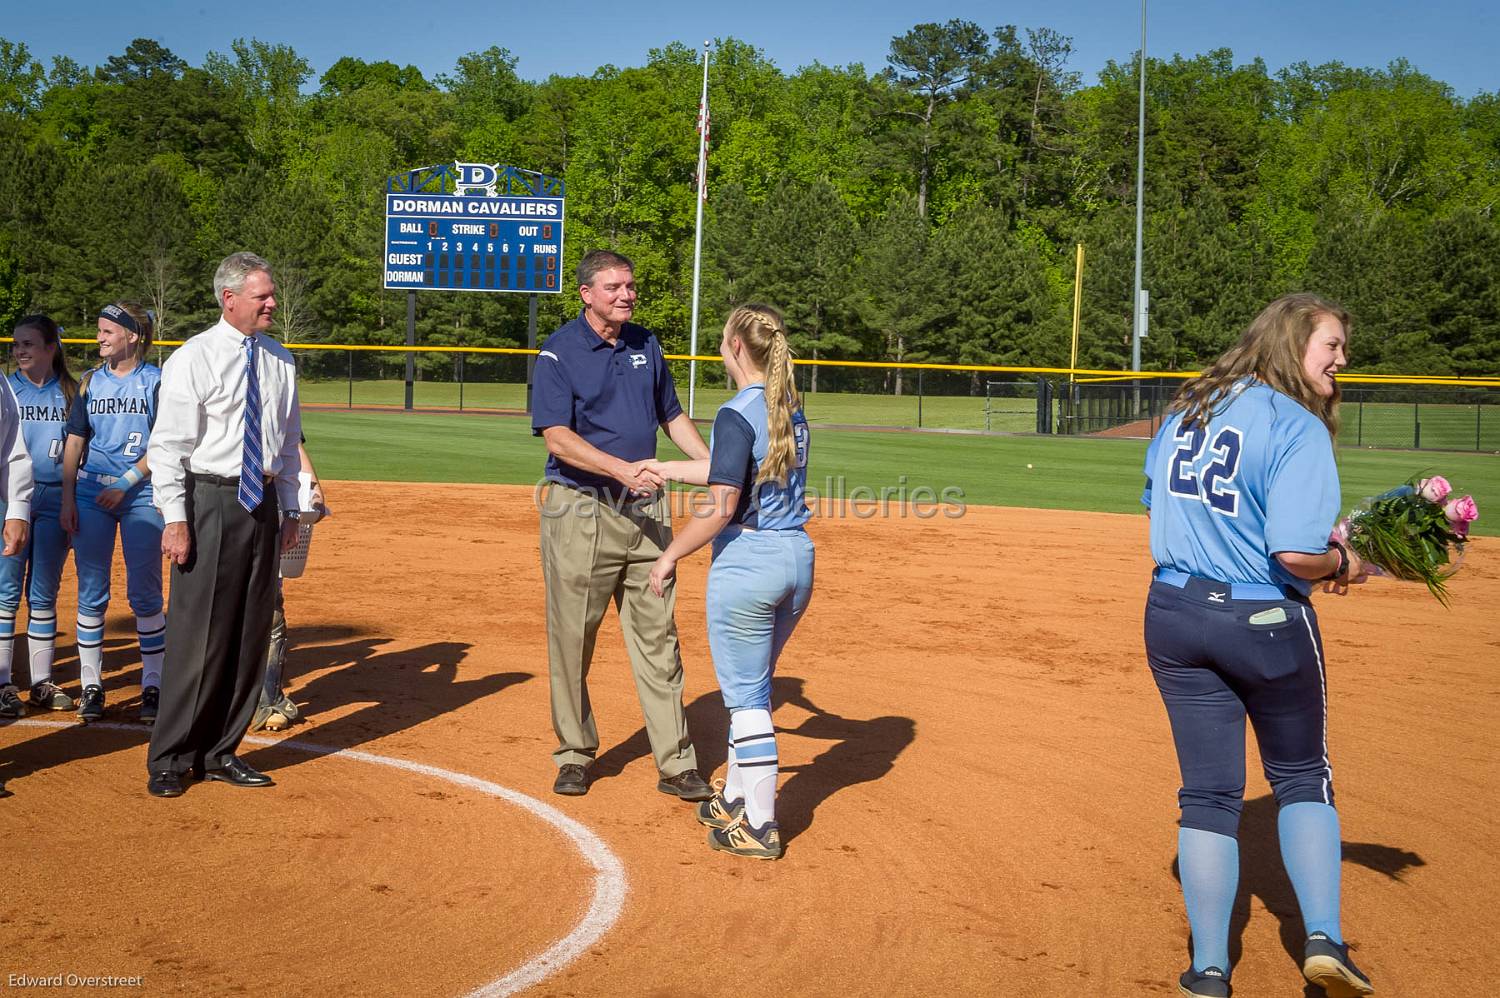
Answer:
(475, 179)
(637, 360)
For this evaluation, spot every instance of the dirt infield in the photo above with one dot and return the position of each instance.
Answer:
(978, 786)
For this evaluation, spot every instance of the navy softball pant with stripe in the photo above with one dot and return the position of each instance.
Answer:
(1214, 666)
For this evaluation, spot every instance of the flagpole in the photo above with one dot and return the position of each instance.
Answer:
(702, 191)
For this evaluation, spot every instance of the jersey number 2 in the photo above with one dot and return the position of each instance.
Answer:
(1215, 486)
(133, 445)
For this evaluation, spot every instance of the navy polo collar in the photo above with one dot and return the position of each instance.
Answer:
(597, 342)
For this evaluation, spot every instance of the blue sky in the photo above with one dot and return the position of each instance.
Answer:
(1453, 40)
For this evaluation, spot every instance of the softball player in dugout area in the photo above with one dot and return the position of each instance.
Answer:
(44, 389)
(1243, 494)
(762, 573)
(104, 488)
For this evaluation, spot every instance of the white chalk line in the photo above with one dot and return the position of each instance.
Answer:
(610, 884)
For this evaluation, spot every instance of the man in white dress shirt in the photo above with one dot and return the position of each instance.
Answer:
(222, 453)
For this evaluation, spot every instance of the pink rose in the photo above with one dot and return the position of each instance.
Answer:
(1340, 532)
(1435, 489)
(1461, 512)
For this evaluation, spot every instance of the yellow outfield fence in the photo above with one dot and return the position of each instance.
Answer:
(1081, 374)
(1383, 410)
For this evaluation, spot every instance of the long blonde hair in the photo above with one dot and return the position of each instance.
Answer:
(1271, 350)
(761, 329)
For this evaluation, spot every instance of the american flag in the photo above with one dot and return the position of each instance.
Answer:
(702, 128)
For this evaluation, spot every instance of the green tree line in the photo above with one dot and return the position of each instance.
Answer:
(923, 211)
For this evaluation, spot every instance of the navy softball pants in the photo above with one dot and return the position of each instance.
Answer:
(1216, 660)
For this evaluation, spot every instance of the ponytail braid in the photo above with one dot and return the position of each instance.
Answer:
(760, 328)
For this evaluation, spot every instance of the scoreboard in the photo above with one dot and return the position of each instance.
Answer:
(450, 242)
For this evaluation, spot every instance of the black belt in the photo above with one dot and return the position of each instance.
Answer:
(221, 480)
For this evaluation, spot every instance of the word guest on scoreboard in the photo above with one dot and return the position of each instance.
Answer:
(462, 243)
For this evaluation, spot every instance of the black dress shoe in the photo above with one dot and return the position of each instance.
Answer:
(687, 784)
(572, 781)
(237, 773)
(165, 783)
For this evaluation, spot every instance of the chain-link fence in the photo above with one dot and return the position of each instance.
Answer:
(1411, 414)
(1400, 416)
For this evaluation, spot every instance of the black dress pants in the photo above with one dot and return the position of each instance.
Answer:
(218, 628)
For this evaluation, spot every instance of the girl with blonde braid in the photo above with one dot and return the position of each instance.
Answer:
(762, 573)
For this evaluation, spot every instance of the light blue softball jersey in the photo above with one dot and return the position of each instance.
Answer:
(115, 416)
(738, 445)
(44, 420)
(1258, 479)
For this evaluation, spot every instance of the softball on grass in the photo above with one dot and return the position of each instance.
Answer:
(1028, 467)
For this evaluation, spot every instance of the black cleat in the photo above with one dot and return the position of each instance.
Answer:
(150, 701)
(1210, 982)
(47, 695)
(91, 704)
(10, 702)
(1327, 964)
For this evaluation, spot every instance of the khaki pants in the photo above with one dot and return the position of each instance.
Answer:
(592, 553)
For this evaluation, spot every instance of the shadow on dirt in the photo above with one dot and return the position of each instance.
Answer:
(861, 751)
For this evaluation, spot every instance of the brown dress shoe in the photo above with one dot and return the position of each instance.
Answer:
(687, 784)
(572, 781)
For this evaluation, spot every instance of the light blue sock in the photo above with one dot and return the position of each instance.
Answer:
(1209, 864)
(1311, 850)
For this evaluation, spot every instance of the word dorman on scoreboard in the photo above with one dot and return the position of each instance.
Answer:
(463, 242)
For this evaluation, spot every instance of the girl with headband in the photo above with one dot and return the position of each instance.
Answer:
(104, 489)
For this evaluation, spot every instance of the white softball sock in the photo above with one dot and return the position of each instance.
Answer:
(41, 639)
(7, 643)
(90, 650)
(754, 742)
(151, 632)
(734, 789)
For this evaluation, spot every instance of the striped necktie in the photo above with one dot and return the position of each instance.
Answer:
(252, 468)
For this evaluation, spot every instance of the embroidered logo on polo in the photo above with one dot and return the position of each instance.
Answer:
(637, 360)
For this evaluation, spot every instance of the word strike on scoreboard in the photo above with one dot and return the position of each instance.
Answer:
(464, 243)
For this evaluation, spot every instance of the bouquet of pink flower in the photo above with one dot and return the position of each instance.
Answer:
(1415, 532)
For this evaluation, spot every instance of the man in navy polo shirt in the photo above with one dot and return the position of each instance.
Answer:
(600, 391)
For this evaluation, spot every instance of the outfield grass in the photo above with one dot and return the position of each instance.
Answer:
(1377, 424)
(937, 411)
(1087, 473)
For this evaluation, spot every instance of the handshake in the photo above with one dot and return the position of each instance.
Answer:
(644, 478)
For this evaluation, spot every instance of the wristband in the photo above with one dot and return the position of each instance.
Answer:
(130, 479)
(1343, 566)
